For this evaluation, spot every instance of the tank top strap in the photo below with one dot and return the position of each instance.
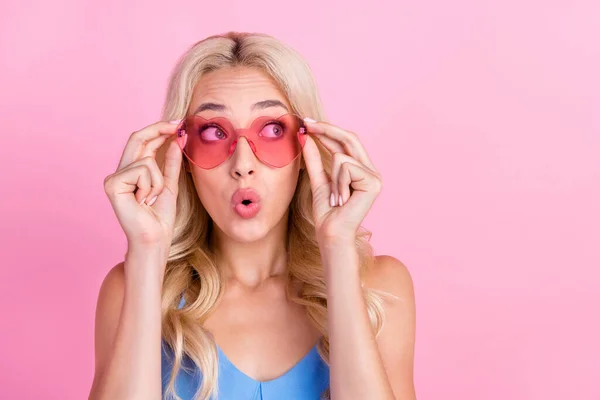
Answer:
(181, 302)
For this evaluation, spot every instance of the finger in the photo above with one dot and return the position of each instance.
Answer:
(340, 187)
(143, 184)
(134, 180)
(331, 144)
(334, 148)
(319, 182)
(172, 167)
(138, 139)
(314, 164)
(333, 200)
(348, 140)
(148, 189)
(151, 148)
(363, 182)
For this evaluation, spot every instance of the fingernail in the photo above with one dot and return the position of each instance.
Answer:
(153, 200)
(175, 121)
(341, 201)
(309, 119)
(332, 200)
(142, 202)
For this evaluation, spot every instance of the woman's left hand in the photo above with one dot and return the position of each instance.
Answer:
(354, 179)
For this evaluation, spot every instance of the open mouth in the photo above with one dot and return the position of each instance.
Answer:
(247, 208)
(245, 196)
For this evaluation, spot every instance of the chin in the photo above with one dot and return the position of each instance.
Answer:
(246, 231)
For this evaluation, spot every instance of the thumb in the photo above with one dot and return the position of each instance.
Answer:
(172, 167)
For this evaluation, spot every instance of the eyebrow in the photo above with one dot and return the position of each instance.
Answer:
(261, 105)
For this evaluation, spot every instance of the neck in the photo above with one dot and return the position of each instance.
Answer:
(252, 263)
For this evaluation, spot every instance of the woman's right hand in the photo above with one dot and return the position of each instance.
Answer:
(138, 180)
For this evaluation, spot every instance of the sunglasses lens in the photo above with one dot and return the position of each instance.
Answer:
(205, 143)
(277, 141)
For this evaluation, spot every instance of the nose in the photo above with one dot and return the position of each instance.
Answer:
(244, 160)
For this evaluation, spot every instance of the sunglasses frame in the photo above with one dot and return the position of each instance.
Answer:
(238, 133)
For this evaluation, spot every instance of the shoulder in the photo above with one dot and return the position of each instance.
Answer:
(110, 300)
(108, 312)
(396, 340)
(390, 275)
(113, 285)
(116, 275)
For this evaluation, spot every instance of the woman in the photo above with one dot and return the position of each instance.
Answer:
(246, 263)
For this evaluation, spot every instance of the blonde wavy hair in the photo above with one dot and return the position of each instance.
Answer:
(191, 269)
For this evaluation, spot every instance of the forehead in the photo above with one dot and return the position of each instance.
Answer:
(238, 89)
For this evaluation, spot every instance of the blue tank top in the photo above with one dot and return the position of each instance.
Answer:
(307, 380)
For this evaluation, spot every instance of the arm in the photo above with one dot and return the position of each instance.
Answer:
(128, 330)
(361, 366)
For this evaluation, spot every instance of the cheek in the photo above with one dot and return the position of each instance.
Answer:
(208, 188)
(286, 184)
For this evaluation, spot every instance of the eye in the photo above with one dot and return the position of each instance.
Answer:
(272, 130)
(212, 133)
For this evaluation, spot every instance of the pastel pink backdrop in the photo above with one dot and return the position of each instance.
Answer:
(481, 116)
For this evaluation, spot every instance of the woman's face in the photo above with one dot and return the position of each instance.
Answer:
(241, 95)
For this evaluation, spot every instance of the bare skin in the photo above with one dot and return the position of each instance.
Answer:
(262, 332)
(257, 327)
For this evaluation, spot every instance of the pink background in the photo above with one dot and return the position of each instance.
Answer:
(482, 117)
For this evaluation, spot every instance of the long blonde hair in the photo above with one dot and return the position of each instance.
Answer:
(191, 269)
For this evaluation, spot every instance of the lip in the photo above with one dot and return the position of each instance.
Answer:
(246, 211)
(245, 194)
